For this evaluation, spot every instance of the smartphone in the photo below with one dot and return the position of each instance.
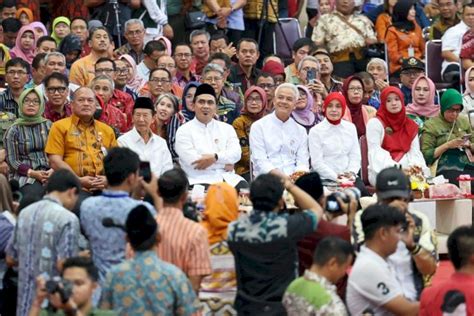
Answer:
(145, 171)
(311, 75)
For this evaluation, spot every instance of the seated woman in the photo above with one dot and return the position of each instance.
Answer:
(333, 144)
(188, 99)
(392, 138)
(218, 290)
(254, 109)
(71, 48)
(103, 86)
(134, 82)
(25, 44)
(423, 106)
(24, 15)
(25, 142)
(404, 38)
(447, 139)
(167, 107)
(303, 113)
(61, 28)
(468, 98)
(384, 20)
(359, 114)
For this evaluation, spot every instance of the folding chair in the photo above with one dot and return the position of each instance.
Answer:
(433, 64)
(364, 170)
(289, 28)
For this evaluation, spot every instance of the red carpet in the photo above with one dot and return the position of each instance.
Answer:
(444, 271)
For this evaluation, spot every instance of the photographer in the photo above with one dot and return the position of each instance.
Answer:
(264, 244)
(415, 258)
(72, 294)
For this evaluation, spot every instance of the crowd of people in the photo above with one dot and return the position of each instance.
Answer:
(131, 144)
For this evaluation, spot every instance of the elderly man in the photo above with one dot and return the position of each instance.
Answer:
(79, 142)
(277, 143)
(148, 146)
(309, 74)
(82, 70)
(207, 148)
(55, 62)
(346, 34)
(200, 45)
(135, 36)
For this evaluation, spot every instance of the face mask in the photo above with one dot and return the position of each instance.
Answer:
(97, 113)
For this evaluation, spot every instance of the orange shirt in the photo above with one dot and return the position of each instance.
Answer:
(82, 147)
(184, 243)
(82, 70)
(398, 44)
(381, 25)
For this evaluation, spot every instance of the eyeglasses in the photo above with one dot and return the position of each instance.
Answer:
(122, 70)
(134, 33)
(104, 70)
(16, 72)
(411, 73)
(181, 55)
(159, 80)
(453, 110)
(213, 79)
(356, 89)
(166, 65)
(53, 90)
(256, 100)
(266, 85)
(310, 69)
(31, 101)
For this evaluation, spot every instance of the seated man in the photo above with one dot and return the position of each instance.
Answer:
(373, 286)
(153, 50)
(79, 142)
(301, 48)
(448, 17)
(148, 146)
(455, 294)
(411, 69)
(57, 91)
(315, 291)
(414, 260)
(277, 142)
(208, 148)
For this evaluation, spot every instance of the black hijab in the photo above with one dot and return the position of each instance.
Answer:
(400, 13)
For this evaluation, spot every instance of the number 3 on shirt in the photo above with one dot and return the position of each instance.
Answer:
(384, 288)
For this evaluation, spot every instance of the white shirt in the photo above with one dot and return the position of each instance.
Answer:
(334, 149)
(143, 71)
(371, 284)
(402, 265)
(154, 151)
(380, 158)
(452, 41)
(195, 139)
(278, 145)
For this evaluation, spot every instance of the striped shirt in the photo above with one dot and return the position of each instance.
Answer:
(183, 242)
(25, 146)
(8, 103)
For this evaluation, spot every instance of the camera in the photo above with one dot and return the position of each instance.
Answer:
(58, 285)
(332, 204)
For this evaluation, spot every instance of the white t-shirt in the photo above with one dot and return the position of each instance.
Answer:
(452, 40)
(403, 267)
(372, 283)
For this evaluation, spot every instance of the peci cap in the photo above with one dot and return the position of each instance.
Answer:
(144, 103)
(391, 183)
(204, 88)
(140, 225)
(412, 63)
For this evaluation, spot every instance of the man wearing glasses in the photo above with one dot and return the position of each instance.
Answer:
(135, 36)
(412, 68)
(56, 87)
(152, 52)
(183, 58)
(168, 63)
(159, 82)
(17, 71)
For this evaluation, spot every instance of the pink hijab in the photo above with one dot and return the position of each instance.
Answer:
(167, 44)
(429, 109)
(136, 83)
(19, 51)
(40, 25)
(466, 82)
(305, 116)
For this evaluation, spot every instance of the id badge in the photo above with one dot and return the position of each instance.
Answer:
(411, 51)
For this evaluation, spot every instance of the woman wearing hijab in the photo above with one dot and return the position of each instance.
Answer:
(254, 109)
(25, 142)
(188, 99)
(404, 37)
(303, 112)
(468, 99)
(218, 290)
(359, 114)
(333, 144)
(71, 48)
(167, 44)
(39, 28)
(423, 106)
(134, 82)
(392, 138)
(24, 15)
(447, 139)
(25, 44)
(61, 28)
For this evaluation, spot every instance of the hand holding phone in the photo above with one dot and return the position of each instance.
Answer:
(145, 171)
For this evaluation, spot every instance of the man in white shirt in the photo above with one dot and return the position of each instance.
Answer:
(153, 51)
(373, 287)
(208, 148)
(451, 46)
(277, 143)
(148, 146)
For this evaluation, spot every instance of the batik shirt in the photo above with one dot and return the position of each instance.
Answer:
(45, 233)
(313, 295)
(146, 285)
